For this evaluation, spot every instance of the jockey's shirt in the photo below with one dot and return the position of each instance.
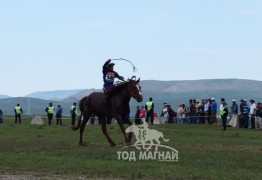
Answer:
(109, 77)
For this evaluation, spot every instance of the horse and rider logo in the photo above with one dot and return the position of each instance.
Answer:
(145, 140)
(144, 135)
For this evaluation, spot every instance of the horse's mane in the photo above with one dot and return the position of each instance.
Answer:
(118, 86)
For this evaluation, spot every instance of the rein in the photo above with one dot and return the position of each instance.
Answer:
(130, 90)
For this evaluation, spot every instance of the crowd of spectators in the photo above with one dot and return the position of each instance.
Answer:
(206, 111)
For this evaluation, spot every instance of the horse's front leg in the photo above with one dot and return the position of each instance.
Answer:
(129, 134)
(104, 129)
(128, 140)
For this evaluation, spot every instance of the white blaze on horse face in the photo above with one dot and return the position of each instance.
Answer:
(137, 86)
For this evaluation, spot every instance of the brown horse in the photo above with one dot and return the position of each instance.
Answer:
(117, 108)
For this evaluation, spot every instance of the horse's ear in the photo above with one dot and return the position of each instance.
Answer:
(138, 80)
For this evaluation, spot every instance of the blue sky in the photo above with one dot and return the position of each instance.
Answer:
(62, 44)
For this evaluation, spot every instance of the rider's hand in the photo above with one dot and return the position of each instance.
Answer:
(121, 78)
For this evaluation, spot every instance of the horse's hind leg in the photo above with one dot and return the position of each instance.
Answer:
(83, 125)
(104, 129)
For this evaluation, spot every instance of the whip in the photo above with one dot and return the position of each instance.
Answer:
(121, 59)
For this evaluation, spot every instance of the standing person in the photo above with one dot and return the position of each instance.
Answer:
(214, 111)
(224, 114)
(191, 111)
(234, 111)
(244, 114)
(1, 116)
(184, 113)
(259, 114)
(164, 114)
(206, 107)
(209, 111)
(142, 114)
(194, 118)
(150, 110)
(202, 111)
(137, 118)
(50, 112)
(18, 111)
(59, 112)
(171, 115)
(73, 111)
(109, 76)
(178, 114)
(221, 107)
(252, 113)
(258, 110)
(241, 110)
(197, 106)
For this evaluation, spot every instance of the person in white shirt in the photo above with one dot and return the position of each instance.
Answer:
(164, 114)
(206, 108)
(252, 113)
(180, 112)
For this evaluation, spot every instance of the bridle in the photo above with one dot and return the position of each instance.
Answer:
(133, 91)
(133, 88)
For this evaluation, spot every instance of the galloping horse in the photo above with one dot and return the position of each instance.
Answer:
(117, 108)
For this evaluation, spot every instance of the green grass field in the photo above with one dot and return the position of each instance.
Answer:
(205, 152)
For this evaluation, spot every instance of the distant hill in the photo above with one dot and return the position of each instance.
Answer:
(200, 85)
(172, 92)
(53, 95)
(80, 94)
(4, 96)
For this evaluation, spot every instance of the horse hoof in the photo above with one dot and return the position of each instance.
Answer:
(81, 144)
(113, 144)
(128, 143)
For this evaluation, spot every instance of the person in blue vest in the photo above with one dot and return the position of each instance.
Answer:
(213, 111)
(59, 112)
(109, 76)
(150, 110)
(50, 110)
(18, 111)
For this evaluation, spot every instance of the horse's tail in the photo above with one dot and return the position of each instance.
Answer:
(162, 136)
(81, 105)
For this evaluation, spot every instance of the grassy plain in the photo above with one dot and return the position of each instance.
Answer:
(205, 152)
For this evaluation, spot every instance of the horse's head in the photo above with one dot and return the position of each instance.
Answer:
(135, 89)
